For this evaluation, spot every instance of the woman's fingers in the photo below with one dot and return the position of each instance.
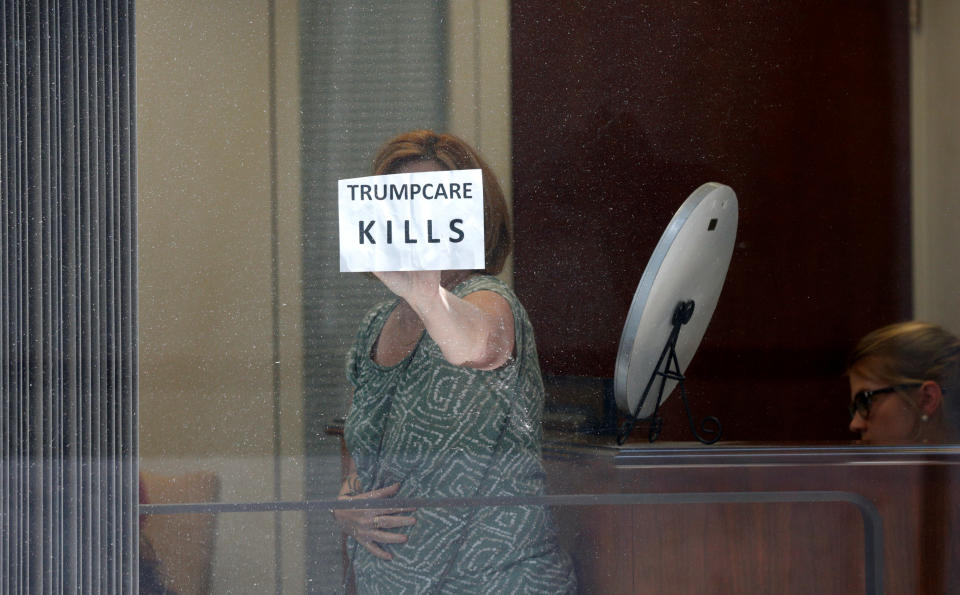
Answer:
(370, 523)
(382, 537)
(370, 512)
(388, 521)
(376, 550)
(386, 492)
(410, 284)
(369, 538)
(375, 526)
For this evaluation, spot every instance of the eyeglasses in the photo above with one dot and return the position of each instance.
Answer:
(864, 399)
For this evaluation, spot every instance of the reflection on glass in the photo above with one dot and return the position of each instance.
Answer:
(245, 321)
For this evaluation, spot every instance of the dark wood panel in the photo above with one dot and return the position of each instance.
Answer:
(621, 109)
(799, 547)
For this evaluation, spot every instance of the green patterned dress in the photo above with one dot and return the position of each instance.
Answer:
(447, 431)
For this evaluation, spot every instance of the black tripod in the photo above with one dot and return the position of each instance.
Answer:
(668, 368)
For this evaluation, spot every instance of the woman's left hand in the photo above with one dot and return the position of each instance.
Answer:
(372, 527)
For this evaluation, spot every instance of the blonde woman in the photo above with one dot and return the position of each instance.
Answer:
(903, 384)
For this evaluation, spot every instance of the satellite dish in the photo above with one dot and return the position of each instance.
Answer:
(689, 263)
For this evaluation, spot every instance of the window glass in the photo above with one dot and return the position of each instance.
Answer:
(833, 126)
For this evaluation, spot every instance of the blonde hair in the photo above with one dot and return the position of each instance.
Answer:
(913, 352)
(453, 153)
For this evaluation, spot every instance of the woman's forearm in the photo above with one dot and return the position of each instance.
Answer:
(350, 485)
(476, 331)
(468, 333)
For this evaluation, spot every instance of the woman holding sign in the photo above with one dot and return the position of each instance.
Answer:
(447, 403)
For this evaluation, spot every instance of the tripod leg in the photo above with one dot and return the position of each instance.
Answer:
(709, 426)
(656, 426)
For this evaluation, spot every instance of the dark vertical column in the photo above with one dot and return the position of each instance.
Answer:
(68, 298)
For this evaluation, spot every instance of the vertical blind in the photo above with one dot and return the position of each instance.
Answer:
(370, 69)
(67, 298)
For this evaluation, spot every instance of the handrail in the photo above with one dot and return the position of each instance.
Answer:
(872, 523)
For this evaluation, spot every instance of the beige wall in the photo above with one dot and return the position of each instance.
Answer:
(936, 162)
(205, 238)
(206, 272)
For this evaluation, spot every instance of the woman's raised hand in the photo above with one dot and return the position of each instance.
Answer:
(411, 285)
(371, 526)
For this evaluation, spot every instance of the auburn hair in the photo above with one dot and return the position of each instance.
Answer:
(453, 153)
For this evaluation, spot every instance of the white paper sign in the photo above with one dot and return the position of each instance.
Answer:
(421, 221)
